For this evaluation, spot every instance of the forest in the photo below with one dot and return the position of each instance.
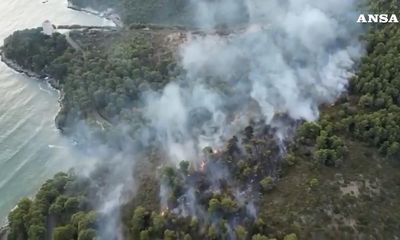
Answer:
(99, 83)
(339, 178)
(165, 12)
(173, 12)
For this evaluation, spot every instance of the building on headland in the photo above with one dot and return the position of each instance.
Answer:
(48, 28)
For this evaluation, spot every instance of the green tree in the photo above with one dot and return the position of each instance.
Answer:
(308, 132)
(212, 233)
(228, 205)
(184, 166)
(213, 205)
(64, 233)
(187, 237)
(394, 150)
(241, 232)
(291, 236)
(138, 221)
(259, 237)
(145, 235)
(267, 183)
(18, 219)
(169, 235)
(37, 232)
(87, 234)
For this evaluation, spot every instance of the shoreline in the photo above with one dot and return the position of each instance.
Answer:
(4, 232)
(110, 15)
(53, 83)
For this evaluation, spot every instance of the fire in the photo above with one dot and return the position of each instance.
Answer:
(203, 165)
(216, 151)
(164, 212)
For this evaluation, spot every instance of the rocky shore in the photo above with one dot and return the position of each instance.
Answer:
(82, 27)
(109, 14)
(53, 83)
(11, 64)
(4, 232)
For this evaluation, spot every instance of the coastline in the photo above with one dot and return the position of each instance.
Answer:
(4, 232)
(53, 83)
(109, 15)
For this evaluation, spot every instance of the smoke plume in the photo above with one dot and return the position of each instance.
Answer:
(275, 57)
(255, 60)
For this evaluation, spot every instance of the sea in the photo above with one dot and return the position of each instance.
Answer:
(31, 148)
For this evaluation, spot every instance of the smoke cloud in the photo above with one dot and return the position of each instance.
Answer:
(257, 59)
(275, 57)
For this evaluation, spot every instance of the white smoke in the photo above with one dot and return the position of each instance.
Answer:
(279, 56)
(285, 57)
(109, 166)
(117, 188)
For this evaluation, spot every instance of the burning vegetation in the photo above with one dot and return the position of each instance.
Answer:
(216, 133)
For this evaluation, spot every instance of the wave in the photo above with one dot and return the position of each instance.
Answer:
(14, 104)
(15, 127)
(47, 89)
(14, 90)
(11, 87)
(56, 146)
(24, 144)
(16, 170)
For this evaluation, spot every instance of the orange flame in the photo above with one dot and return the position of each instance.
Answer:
(164, 211)
(203, 165)
(216, 151)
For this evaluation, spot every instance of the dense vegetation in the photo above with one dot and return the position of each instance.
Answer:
(103, 78)
(33, 50)
(137, 11)
(338, 180)
(61, 200)
(165, 12)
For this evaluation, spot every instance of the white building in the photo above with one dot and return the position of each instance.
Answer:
(48, 28)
